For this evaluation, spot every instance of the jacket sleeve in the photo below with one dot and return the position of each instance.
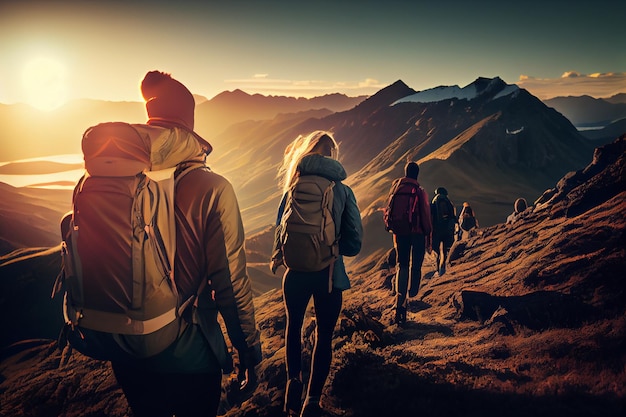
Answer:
(351, 234)
(233, 290)
(276, 249)
(425, 219)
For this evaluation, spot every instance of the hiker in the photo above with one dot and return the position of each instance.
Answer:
(444, 223)
(518, 207)
(311, 161)
(467, 220)
(407, 216)
(185, 378)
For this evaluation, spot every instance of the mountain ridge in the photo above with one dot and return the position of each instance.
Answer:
(523, 148)
(586, 111)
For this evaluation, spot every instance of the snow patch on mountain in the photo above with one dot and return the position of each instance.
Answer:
(514, 131)
(508, 90)
(469, 92)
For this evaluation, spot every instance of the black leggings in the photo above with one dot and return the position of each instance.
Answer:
(298, 287)
(152, 394)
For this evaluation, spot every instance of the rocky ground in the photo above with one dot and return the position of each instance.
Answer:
(529, 319)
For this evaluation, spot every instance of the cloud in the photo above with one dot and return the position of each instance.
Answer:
(370, 82)
(573, 83)
(263, 84)
(571, 74)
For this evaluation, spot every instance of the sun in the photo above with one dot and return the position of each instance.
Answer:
(44, 83)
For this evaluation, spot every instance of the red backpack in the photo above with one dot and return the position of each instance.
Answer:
(401, 214)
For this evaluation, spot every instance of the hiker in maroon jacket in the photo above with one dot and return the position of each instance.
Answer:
(410, 242)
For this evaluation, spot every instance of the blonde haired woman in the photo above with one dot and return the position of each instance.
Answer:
(315, 154)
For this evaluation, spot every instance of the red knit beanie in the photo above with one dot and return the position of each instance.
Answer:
(167, 99)
(169, 103)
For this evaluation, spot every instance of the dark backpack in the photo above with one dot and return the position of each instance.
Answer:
(119, 241)
(307, 231)
(468, 221)
(401, 214)
(444, 216)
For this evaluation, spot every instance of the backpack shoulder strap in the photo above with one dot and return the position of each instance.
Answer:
(186, 167)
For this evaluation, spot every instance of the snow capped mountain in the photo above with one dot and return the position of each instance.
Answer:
(482, 86)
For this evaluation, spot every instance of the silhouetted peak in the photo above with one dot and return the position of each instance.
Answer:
(486, 85)
(387, 96)
(397, 88)
(235, 94)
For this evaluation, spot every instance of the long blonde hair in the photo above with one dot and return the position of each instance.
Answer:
(319, 141)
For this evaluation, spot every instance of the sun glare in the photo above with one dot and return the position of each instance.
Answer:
(44, 83)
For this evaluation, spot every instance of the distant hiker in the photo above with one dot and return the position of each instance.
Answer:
(467, 220)
(444, 225)
(519, 206)
(115, 218)
(316, 207)
(407, 216)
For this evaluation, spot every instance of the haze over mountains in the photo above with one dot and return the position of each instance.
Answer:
(585, 111)
(488, 150)
(488, 143)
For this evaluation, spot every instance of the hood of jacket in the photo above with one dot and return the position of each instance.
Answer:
(170, 146)
(323, 166)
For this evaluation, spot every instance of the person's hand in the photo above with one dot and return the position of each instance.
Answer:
(246, 374)
(275, 263)
(247, 379)
(240, 387)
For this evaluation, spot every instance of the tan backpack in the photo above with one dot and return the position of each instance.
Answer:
(307, 230)
(119, 244)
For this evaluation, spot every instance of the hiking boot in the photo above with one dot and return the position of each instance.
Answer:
(293, 397)
(400, 317)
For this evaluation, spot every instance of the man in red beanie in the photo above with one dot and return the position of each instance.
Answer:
(185, 379)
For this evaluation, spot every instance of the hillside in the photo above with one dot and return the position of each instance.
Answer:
(30, 217)
(528, 320)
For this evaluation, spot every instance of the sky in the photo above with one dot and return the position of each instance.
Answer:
(54, 51)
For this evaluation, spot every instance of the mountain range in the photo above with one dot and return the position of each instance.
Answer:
(27, 132)
(586, 111)
(487, 150)
(488, 143)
